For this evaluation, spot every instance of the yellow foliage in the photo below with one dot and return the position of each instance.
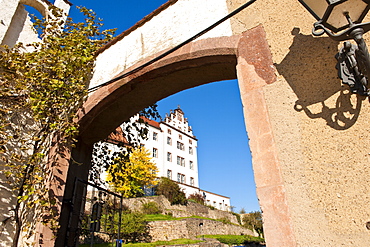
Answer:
(130, 172)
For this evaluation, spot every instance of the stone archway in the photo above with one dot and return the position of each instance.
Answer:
(245, 57)
(16, 25)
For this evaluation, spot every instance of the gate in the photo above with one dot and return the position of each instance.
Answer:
(99, 216)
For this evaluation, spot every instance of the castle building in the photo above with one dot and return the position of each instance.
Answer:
(174, 150)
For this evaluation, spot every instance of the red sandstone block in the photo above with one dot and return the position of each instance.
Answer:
(278, 225)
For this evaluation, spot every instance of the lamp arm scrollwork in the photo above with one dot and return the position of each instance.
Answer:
(362, 53)
(353, 60)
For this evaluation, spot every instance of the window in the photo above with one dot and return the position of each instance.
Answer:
(169, 174)
(191, 165)
(190, 142)
(181, 178)
(155, 153)
(180, 146)
(169, 140)
(192, 181)
(169, 157)
(180, 137)
(169, 131)
(155, 136)
(180, 161)
(190, 150)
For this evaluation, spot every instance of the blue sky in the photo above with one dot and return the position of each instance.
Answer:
(213, 110)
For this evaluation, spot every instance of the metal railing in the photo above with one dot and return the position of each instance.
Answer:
(100, 215)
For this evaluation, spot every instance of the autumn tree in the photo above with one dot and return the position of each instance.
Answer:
(42, 86)
(134, 131)
(131, 171)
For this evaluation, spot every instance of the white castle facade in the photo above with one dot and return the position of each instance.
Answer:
(174, 150)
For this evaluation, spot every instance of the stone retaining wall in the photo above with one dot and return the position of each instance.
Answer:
(180, 210)
(190, 228)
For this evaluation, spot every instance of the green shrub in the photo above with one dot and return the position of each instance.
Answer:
(150, 208)
(134, 228)
(171, 191)
(196, 197)
(237, 217)
(253, 221)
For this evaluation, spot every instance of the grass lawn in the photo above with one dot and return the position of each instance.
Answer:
(157, 217)
(172, 242)
(235, 239)
(98, 245)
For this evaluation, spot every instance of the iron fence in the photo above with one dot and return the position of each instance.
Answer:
(99, 216)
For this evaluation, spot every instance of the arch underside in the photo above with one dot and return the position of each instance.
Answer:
(246, 57)
(109, 106)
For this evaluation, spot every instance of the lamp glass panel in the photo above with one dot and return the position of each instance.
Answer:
(317, 6)
(355, 8)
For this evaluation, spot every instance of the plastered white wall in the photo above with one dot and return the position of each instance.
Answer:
(167, 29)
(7, 10)
(15, 23)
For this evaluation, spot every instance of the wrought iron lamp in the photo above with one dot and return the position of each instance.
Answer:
(341, 20)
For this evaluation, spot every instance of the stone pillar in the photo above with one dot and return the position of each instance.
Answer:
(73, 195)
(58, 167)
(7, 11)
(255, 70)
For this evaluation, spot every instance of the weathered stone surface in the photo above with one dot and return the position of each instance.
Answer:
(189, 228)
(309, 136)
(180, 210)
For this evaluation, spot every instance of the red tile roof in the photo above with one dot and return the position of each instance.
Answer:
(117, 137)
(152, 123)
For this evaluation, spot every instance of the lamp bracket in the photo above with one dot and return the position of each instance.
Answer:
(349, 69)
(319, 29)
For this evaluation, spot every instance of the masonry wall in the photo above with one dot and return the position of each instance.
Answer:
(15, 27)
(314, 153)
(320, 130)
(189, 228)
(180, 210)
(15, 23)
(172, 24)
